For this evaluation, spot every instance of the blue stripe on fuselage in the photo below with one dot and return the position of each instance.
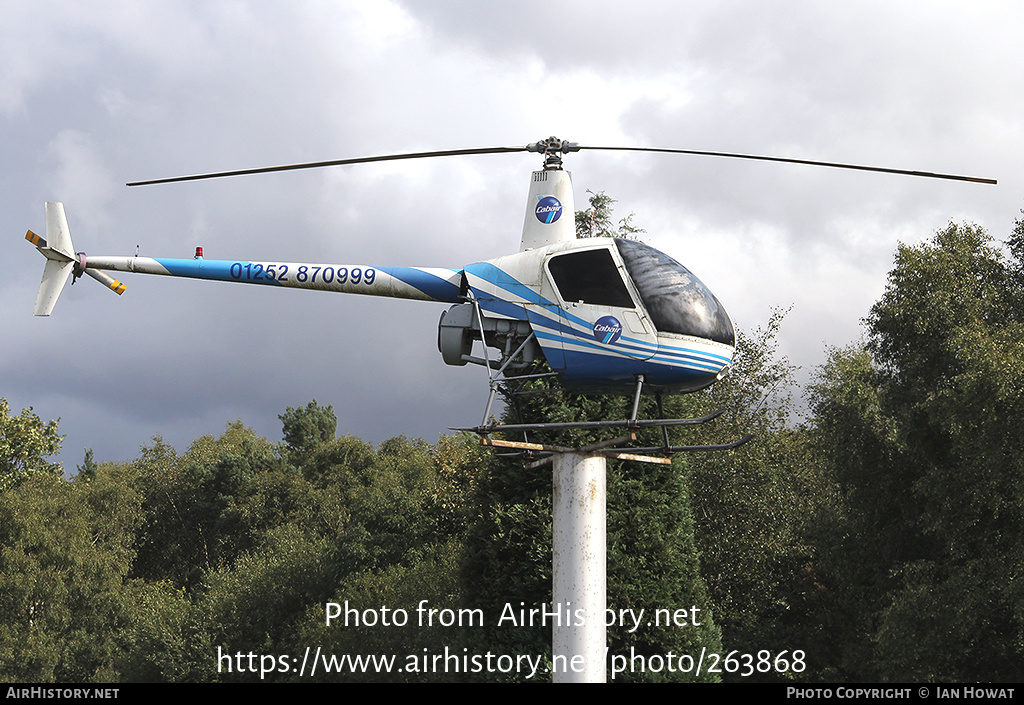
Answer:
(216, 270)
(579, 330)
(595, 372)
(435, 287)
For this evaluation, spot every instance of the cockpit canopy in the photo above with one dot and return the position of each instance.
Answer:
(677, 301)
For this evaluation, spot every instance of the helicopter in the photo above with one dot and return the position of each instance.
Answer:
(606, 315)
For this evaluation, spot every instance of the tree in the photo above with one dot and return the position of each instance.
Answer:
(596, 221)
(65, 553)
(307, 428)
(754, 506)
(653, 557)
(922, 427)
(88, 469)
(191, 525)
(854, 441)
(25, 442)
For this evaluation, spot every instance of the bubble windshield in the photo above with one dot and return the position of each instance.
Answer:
(677, 301)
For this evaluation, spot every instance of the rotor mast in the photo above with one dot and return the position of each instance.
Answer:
(550, 208)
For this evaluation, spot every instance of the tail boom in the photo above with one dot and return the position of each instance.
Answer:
(420, 283)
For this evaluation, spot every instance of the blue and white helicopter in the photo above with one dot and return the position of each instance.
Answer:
(607, 315)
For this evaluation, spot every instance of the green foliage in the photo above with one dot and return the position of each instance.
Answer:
(596, 221)
(25, 442)
(654, 563)
(754, 506)
(307, 428)
(65, 549)
(429, 579)
(88, 469)
(457, 461)
(922, 428)
(237, 544)
(257, 603)
(243, 542)
(165, 640)
(508, 555)
(190, 524)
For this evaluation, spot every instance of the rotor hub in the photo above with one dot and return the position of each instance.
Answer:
(553, 148)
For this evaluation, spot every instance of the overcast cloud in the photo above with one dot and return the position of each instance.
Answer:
(95, 94)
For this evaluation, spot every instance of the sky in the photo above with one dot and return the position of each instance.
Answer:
(96, 94)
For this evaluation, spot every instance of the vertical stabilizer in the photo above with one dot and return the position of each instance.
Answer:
(60, 258)
(58, 235)
(55, 276)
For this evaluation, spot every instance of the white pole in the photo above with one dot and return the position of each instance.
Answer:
(579, 567)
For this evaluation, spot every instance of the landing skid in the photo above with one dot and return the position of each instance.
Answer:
(634, 424)
(546, 452)
(631, 425)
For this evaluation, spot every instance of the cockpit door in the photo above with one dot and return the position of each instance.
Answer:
(600, 315)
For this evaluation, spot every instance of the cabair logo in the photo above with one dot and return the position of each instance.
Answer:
(607, 329)
(548, 210)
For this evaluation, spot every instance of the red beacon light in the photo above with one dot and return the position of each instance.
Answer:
(199, 253)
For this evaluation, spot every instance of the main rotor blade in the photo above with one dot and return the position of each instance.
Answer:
(810, 162)
(335, 162)
(550, 146)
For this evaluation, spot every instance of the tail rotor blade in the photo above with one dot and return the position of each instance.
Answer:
(106, 280)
